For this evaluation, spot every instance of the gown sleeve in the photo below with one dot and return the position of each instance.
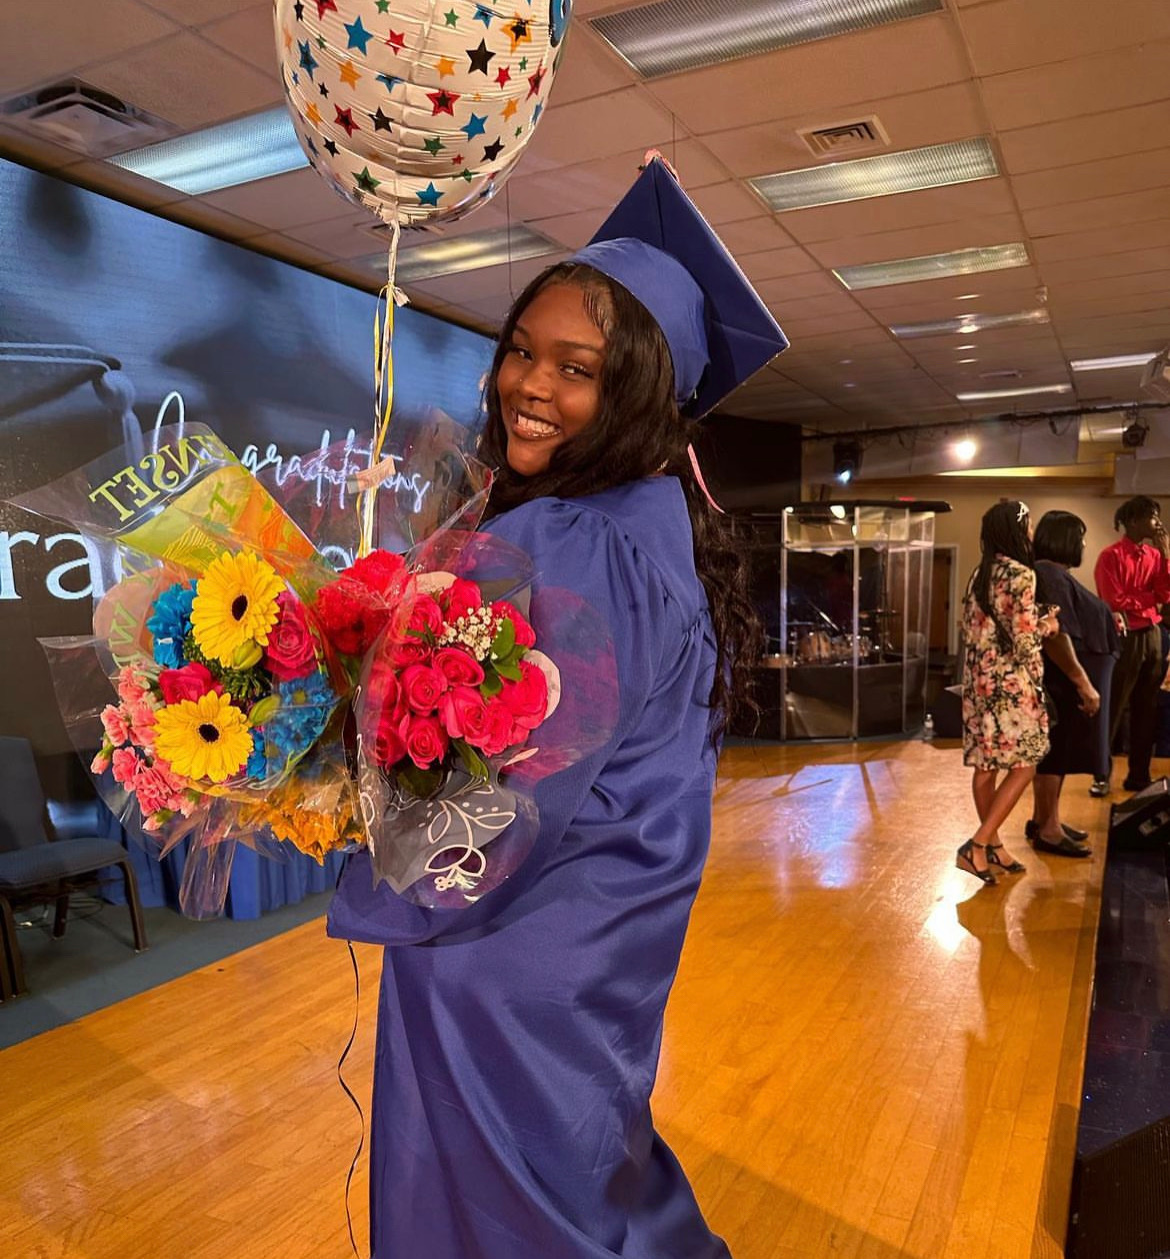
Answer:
(579, 549)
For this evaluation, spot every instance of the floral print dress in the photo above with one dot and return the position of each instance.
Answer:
(1005, 721)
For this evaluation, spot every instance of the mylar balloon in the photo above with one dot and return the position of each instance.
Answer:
(417, 109)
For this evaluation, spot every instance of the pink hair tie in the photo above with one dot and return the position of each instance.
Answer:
(702, 484)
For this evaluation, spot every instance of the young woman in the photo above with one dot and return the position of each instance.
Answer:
(518, 1039)
(1005, 722)
(1078, 672)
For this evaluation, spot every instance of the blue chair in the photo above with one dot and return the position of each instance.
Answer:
(36, 869)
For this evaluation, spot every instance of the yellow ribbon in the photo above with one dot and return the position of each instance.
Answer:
(389, 297)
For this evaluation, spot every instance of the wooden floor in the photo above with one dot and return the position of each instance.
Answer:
(866, 1056)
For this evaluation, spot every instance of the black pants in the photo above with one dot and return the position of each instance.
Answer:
(1136, 682)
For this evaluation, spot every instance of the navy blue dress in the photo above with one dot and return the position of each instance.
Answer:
(518, 1038)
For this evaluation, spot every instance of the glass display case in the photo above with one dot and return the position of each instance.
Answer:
(844, 593)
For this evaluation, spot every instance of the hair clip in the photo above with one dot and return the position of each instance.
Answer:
(1022, 513)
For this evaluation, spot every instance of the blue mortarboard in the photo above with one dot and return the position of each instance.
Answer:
(657, 245)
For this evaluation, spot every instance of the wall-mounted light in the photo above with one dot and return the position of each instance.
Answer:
(965, 449)
(846, 460)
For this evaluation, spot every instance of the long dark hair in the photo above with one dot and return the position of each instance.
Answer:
(1004, 532)
(1060, 537)
(638, 433)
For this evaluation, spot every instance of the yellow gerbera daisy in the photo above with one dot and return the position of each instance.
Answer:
(203, 738)
(235, 604)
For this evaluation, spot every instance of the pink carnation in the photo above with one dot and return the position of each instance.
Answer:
(99, 764)
(115, 725)
(125, 762)
(132, 687)
(157, 787)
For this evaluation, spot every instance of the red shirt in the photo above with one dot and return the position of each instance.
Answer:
(1133, 578)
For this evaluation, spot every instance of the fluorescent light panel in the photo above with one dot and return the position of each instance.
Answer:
(936, 166)
(988, 394)
(222, 156)
(874, 275)
(1108, 364)
(471, 251)
(963, 325)
(675, 35)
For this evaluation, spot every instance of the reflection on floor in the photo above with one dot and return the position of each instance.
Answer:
(867, 1055)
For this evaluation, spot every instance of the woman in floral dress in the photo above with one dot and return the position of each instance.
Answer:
(1005, 722)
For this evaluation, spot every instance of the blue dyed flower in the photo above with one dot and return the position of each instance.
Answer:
(170, 623)
(257, 765)
(305, 706)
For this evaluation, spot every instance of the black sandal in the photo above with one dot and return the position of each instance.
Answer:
(1011, 867)
(965, 860)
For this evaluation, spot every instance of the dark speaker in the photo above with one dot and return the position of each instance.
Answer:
(1121, 1199)
(1142, 821)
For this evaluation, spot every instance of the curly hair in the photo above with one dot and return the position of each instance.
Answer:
(1134, 509)
(638, 432)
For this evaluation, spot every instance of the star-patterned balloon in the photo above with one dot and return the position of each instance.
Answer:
(417, 109)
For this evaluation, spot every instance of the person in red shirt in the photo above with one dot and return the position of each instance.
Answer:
(1133, 577)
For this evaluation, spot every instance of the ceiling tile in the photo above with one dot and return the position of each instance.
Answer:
(1082, 216)
(1134, 172)
(196, 12)
(1137, 130)
(826, 75)
(911, 121)
(1099, 266)
(796, 287)
(726, 202)
(751, 236)
(980, 198)
(52, 37)
(475, 288)
(249, 34)
(1071, 89)
(591, 68)
(574, 231)
(583, 130)
(773, 263)
(968, 233)
(1020, 34)
(1100, 242)
(342, 238)
(284, 201)
(186, 81)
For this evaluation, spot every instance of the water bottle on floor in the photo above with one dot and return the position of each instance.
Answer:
(928, 728)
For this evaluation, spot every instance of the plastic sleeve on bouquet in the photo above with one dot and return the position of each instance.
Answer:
(461, 716)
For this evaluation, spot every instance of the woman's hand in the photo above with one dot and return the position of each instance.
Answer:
(1090, 700)
(1049, 624)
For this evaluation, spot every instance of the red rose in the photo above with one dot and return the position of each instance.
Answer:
(460, 597)
(292, 651)
(422, 686)
(425, 739)
(426, 617)
(497, 734)
(525, 635)
(389, 746)
(190, 682)
(413, 651)
(464, 714)
(382, 572)
(527, 700)
(459, 668)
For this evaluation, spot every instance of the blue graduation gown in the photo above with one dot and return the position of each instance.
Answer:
(518, 1038)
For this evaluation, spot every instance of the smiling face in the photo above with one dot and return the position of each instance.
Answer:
(549, 379)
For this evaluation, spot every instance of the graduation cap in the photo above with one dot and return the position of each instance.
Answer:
(657, 245)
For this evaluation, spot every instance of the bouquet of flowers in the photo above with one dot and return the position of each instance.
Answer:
(235, 694)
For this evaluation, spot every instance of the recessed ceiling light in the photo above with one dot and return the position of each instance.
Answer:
(1106, 364)
(965, 347)
(933, 267)
(469, 252)
(675, 35)
(966, 324)
(968, 360)
(230, 153)
(936, 166)
(967, 297)
(988, 394)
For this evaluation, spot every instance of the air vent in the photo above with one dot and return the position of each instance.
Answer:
(83, 117)
(866, 135)
(1009, 373)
